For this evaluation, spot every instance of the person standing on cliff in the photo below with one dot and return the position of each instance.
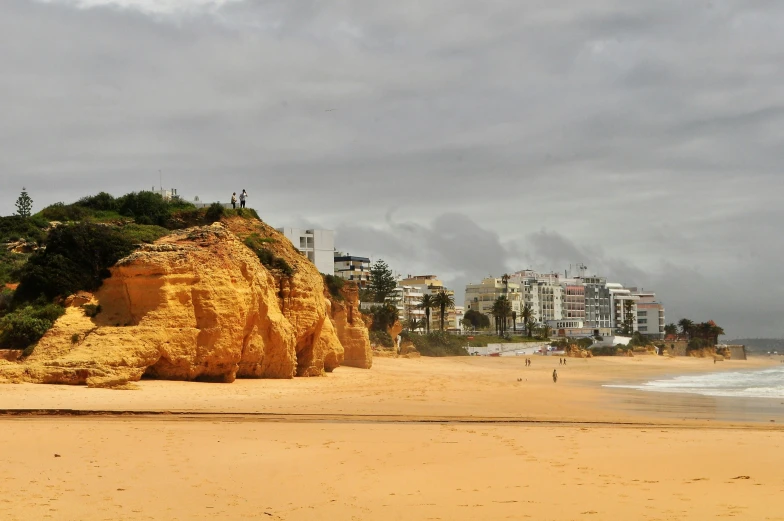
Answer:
(243, 196)
(234, 200)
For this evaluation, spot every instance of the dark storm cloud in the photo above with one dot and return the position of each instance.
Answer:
(644, 136)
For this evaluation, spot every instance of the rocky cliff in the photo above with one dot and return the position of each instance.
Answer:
(351, 329)
(198, 305)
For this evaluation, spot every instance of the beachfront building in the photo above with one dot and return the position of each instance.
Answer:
(574, 300)
(529, 291)
(481, 297)
(317, 245)
(623, 303)
(598, 308)
(543, 292)
(650, 314)
(353, 268)
(407, 299)
(431, 285)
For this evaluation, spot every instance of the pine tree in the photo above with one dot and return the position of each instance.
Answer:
(382, 282)
(24, 205)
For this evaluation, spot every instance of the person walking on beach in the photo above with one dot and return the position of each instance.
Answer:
(564, 361)
(234, 200)
(243, 196)
(555, 376)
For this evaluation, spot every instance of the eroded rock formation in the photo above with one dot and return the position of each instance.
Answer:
(198, 305)
(351, 328)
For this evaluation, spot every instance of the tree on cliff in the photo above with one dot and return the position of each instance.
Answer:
(444, 301)
(382, 282)
(384, 317)
(427, 302)
(24, 204)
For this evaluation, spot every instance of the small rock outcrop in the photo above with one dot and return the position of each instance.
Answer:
(197, 305)
(351, 329)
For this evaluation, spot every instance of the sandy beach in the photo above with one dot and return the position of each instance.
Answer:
(456, 438)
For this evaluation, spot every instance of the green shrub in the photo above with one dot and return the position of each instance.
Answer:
(141, 233)
(214, 212)
(334, 285)
(604, 351)
(75, 338)
(6, 301)
(695, 344)
(266, 257)
(14, 228)
(25, 326)
(91, 310)
(437, 344)
(63, 212)
(77, 257)
(384, 316)
(11, 265)
(381, 338)
(101, 201)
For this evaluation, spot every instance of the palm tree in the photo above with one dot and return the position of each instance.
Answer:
(427, 302)
(527, 314)
(687, 327)
(514, 321)
(671, 329)
(501, 311)
(545, 331)
(444, 301)
(530, 326)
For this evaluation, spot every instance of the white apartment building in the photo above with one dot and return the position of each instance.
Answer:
(407, 299)
(650, 314)
(543, 292)
(317, 245)
(355, 269)
(622, 298)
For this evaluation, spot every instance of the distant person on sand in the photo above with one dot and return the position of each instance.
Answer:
(555, 375)
(564, 361)
(234, 200)
(243, 196)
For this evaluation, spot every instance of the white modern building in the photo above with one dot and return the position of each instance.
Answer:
(623, 304)
(317, 245)
(650, 314)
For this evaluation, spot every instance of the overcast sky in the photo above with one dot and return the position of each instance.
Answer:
(458, 137)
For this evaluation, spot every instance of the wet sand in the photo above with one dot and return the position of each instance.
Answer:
(409, 439)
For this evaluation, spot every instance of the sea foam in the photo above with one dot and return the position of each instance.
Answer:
(766, 383)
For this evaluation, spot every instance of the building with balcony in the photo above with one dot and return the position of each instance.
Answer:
(317, 245)
(650, 314)
(350, 267)
(481, 297)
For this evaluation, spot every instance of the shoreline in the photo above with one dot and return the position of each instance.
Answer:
(451, 439)
(427, 389)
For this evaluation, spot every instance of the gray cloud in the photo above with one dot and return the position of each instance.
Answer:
(645, 132)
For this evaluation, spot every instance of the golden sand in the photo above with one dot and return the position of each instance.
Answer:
(457, 438)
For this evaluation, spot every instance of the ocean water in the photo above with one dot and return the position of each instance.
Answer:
(765, 383)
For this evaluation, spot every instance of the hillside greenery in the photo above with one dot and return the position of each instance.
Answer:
(437, 343)
(76, 244)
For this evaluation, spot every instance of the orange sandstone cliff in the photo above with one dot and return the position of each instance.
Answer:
(198, 305)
